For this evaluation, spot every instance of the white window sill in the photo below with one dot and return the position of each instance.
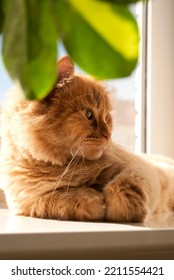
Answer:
(31, 238)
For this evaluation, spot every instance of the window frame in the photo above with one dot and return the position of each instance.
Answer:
(157, 79)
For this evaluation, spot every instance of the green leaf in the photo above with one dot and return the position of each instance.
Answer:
(1, 15)
(1, 20)
(101, 37)
(29, 46)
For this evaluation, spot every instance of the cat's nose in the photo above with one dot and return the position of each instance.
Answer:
(104, 130)
(107, 135)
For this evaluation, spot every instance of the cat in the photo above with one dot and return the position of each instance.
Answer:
(58, 160)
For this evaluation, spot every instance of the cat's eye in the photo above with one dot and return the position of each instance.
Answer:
(89, 114)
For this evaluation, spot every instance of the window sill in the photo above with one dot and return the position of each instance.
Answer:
(31, 238)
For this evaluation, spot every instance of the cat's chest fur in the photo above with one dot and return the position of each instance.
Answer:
(77, 172)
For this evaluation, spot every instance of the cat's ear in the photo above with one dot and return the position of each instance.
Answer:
(65, 68)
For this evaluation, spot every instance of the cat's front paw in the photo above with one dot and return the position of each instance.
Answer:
(89, 205)
(125, 202)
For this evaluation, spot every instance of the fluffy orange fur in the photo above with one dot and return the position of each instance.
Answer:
(58, 161)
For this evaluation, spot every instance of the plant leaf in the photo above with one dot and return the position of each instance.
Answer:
(29, 46)
(101, 37)
(1, 16)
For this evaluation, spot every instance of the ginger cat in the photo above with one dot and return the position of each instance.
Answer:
(58, 161)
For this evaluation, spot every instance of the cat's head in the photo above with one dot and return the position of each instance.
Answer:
(74, 119)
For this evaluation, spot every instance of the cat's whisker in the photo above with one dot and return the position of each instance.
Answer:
(82, 158)
(76, 144)
(80, 150)
(66, 169)
(72, 173)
